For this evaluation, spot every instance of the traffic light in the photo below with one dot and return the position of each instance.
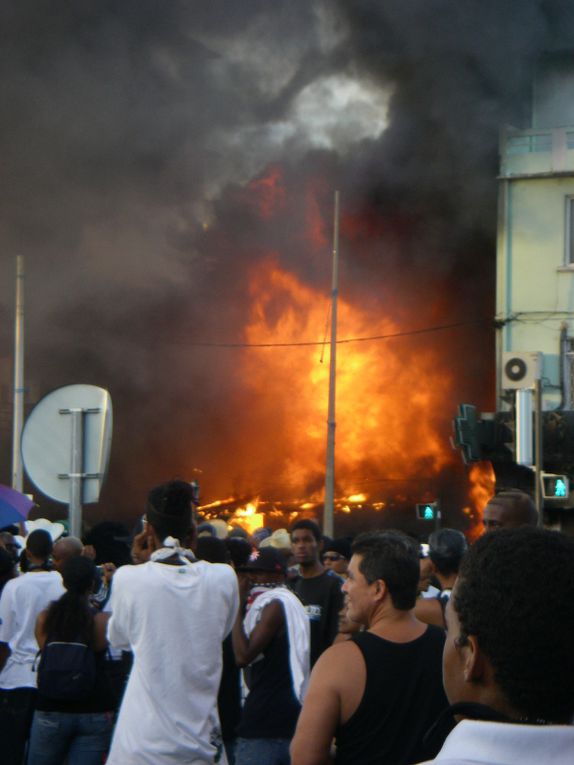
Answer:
(427, 511)
(476, 438)
(555, 487)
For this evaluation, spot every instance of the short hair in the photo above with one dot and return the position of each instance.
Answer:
(39, 544)
(515, 593)
(447, 548)
(68, 547)
(169, 509)
(393, 557)
(309, 525)
(519, 503)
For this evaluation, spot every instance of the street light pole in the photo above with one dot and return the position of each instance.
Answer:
(328, 511)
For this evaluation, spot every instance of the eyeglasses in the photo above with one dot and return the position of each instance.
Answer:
(332, 556)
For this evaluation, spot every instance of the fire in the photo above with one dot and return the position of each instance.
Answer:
(356, 498)
(394, 397)
(385, 402)
(482, 480)
(248, 518)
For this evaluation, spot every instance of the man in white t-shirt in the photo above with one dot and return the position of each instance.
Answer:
(173, 612)
(22, 600)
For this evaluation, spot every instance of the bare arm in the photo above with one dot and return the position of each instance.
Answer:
(429, 611)
(100, 628)
(321, 711)
(248, 648)
(39, 630)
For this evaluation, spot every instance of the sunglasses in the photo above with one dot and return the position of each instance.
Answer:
(332, 557)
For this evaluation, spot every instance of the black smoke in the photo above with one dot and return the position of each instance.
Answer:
(128, 132)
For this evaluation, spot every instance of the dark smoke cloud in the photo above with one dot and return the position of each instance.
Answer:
(127, 126)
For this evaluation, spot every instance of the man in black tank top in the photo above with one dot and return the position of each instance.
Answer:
(378, 693)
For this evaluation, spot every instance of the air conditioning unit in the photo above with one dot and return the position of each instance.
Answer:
(520, 369)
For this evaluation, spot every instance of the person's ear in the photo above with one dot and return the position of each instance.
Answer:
(473, 660)
(380, 589)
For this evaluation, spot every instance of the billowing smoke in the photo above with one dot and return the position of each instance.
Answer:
(137, 138)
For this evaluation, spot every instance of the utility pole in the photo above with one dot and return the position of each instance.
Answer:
(538, 451)
(328, 511)
(18, 396)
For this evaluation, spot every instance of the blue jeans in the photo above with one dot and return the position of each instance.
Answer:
(262, 751)
(83, 738)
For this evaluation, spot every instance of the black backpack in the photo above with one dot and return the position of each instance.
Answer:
(66, 671)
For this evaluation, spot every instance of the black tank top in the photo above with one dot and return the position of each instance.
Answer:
(403, 697)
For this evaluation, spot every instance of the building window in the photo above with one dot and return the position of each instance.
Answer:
(569, 232)
(529, 143)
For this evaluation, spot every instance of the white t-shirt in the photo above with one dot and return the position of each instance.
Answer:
(22, 600)
(474, 742)
(174, 619)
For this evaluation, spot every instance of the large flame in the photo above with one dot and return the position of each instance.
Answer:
(393, 397)
(386, 402)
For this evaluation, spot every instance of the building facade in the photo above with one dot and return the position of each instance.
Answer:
(535, 247)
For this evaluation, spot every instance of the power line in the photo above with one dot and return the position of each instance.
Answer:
(425, 330)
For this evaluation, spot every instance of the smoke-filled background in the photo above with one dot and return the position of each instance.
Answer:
(168, 172)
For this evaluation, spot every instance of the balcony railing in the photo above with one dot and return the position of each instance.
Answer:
(537, 152)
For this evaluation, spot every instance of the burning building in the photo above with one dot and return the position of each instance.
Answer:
(168, 173)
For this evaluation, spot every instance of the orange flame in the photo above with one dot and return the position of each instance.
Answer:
(482, 480)
(386, 404)
(247, 517)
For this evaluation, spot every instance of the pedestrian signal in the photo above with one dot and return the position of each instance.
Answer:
(555, 486)
(427, 511)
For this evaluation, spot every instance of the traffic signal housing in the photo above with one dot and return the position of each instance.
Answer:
(475, 437)
(555, 488)
(427, 511)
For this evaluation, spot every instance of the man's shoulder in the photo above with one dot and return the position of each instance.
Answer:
(340, 665)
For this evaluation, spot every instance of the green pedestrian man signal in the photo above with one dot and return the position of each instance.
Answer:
(428, 511)
(555, 487)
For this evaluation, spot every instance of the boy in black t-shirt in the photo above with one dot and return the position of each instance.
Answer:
(318, 589)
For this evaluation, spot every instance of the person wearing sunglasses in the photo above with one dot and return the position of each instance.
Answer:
(337, 555)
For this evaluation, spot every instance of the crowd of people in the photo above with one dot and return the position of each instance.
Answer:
(289, 648)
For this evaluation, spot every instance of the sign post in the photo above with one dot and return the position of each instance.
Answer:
(66, 446)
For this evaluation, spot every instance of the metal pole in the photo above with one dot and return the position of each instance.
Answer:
(524, 401)
(76, 472)
(331, 423)
(538, 450)
(438, 517)
(18, 400)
